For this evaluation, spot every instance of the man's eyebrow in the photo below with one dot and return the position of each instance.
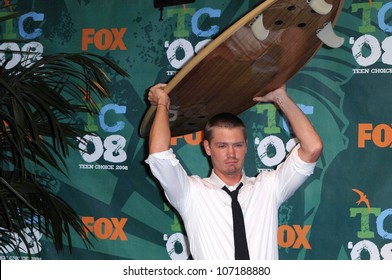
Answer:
(225, 142)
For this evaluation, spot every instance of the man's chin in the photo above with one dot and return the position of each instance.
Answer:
(233, 171)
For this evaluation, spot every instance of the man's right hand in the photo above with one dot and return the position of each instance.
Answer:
(158, 96)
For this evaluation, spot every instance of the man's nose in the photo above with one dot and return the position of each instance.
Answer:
(231, 150)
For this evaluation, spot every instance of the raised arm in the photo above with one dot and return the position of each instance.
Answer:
(159, 139)
(311, 143)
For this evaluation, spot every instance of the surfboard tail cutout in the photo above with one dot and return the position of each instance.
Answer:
(320, 6)
(258, 29)
(328, 36)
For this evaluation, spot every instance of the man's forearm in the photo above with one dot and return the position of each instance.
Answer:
(160, 131)
(311, 144)
(160, 134)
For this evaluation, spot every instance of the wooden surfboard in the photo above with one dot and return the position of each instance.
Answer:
(257, 54)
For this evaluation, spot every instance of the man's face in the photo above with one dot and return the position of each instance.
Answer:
(227, 150)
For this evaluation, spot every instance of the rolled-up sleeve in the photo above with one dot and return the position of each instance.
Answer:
(291, 174)
(171, 175)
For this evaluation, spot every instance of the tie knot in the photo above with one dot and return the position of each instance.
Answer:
(233, 194)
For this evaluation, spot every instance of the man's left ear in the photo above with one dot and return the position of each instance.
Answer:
(206, 145)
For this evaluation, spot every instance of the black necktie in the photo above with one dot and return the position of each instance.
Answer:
(240, 245)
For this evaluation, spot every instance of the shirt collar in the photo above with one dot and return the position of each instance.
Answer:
(218, 183)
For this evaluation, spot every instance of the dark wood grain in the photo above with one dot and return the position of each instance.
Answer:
(235, 67)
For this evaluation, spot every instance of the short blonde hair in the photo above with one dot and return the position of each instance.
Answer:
(225, 120)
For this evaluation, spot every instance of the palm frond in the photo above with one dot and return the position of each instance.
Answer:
(36, 105)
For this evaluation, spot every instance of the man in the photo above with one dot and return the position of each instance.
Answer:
(204, 204)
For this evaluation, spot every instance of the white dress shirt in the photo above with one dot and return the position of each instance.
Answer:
(206, 209)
